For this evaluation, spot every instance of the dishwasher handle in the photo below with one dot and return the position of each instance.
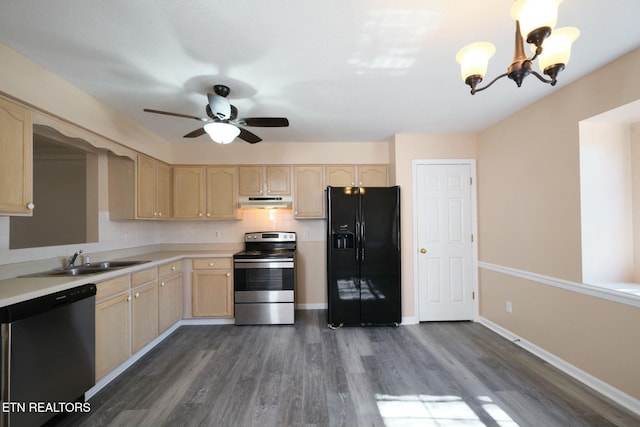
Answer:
(24, 309)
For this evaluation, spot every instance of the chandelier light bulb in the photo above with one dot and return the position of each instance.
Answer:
(537, 18)
(557, 48)
(474, 59)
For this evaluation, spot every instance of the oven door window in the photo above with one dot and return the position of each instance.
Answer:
(264, 279)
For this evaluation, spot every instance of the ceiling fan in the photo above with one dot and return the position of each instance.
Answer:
(222, 123)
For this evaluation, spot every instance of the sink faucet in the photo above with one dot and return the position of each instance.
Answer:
(73, 258)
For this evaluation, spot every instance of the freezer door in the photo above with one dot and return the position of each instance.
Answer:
(343, 286)
(380, 256)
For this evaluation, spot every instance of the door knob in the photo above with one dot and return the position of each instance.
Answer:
(423, 251)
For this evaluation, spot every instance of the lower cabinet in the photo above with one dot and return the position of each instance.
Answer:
(212, 287)
(132, 310)
(144, 315)
(169, 295)
(112, 333)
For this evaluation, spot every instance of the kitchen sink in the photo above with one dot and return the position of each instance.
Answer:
(86, 269)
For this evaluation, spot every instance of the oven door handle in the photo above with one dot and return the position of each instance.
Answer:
(262, 264)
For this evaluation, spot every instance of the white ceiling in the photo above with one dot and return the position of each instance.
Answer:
(356, 70)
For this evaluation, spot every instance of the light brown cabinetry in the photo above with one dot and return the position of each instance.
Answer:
(153, 193)
(212, 287)
(16, 161)
(357, 176)
(169, 295)
(309, 192)
(112, 324)
(144, 308)
(264, 180)
(205, 192)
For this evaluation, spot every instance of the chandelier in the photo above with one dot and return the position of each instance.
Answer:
(535, 22)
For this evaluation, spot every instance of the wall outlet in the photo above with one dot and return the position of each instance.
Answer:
(217, 234)
(305, 233)
(509, 307)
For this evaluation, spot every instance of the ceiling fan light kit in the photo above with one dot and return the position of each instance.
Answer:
(535, 22)
(222, 133)
(222, 123)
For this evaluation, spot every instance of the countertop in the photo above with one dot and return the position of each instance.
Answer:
(18, 289)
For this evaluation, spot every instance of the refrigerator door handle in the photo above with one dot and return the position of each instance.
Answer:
(357, 243)
(363, 239)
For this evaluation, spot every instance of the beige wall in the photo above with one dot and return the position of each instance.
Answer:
(529, 219)
(406, 149)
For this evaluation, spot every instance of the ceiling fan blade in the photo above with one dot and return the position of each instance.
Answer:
(267, 122)
(234, 113)
(250, 137)
(196, 133)
(166, 113)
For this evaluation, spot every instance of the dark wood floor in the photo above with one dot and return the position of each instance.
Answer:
(434, 374)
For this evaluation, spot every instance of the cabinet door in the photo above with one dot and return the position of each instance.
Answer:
(212, 294)
(279, 180)
(112, 334)
(251, 180)
(341, 176)
(221, 192)
(144, 315)
(188, 192)
(372, 176)
(169, 302)
(146, 187)
(309, 192)
(163, 190)
(16, 161)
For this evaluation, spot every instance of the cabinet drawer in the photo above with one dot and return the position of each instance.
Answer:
(170, 268)
(112, 287)
(212, 263)
(143, 276)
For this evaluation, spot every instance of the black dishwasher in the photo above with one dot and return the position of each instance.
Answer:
(48, 355)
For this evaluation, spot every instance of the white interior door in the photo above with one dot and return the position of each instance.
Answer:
(444, 242)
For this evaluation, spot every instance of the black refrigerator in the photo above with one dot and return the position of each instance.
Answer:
(363, 256)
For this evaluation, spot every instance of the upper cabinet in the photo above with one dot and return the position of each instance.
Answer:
(153, 189)
(309, 192)
(357, 176)
(205, 192)
(16, 162)
(264, 180)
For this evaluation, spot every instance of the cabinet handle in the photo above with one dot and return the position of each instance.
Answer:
(162, 284)
(129, 298)
(30, 206)
(210, 264)
(200, 214)
(159, 213)
(173, 268)
(137, 294)
(208, 214)
(228, 274)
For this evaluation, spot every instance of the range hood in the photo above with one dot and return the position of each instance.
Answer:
(265, 202)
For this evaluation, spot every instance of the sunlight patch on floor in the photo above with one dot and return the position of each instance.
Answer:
(437, 411)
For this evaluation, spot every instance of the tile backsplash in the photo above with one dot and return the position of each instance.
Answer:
(114, 235)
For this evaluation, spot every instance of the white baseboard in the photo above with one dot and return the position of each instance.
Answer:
(320, 306)
(598, 385)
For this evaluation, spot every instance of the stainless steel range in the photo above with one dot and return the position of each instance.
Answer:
(264, 278)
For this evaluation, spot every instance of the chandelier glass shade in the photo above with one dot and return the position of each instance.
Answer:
(222, 133)
(535, 22)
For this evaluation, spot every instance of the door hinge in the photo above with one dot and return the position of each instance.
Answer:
(472, 238)
(470, 180)
(473, 295)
